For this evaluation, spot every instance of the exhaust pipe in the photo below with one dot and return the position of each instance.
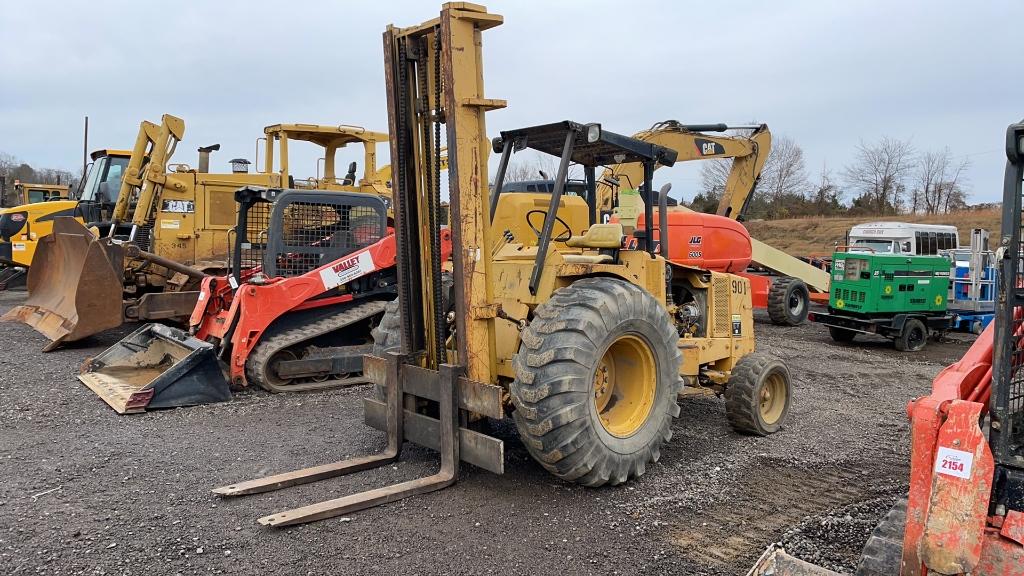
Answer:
(204, 158)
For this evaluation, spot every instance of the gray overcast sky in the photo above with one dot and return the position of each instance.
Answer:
(828, 74)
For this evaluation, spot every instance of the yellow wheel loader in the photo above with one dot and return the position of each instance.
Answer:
(171, 226)
(587, 335)
(23, 226)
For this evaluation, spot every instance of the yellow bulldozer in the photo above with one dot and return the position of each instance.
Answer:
(171, 225)
(25, 193)
(586, 334)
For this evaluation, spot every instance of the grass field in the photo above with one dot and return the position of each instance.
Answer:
(817, 236)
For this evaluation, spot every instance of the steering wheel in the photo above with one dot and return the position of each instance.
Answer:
(562, 237)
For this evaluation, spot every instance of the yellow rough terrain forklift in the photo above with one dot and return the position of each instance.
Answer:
(586, 336)
(171, 226)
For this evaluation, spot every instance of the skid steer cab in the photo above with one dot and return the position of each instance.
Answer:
(310, 276)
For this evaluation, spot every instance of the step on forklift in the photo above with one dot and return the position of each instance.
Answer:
(586, 336)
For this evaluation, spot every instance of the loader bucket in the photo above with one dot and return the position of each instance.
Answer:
(74, 285)
(156, 366)
(775, 562)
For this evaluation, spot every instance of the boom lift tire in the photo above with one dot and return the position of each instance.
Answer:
(597, 377)
(841, 335)
(789, 301)
(883, 551)
(912, 337)
(757, 398)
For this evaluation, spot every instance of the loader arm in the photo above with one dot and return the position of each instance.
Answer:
(133, 177)
(172, 130)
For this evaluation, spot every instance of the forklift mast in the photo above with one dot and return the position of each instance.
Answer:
(1006, 404)
(422, 95)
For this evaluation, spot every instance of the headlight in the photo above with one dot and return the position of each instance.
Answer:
(593, 133)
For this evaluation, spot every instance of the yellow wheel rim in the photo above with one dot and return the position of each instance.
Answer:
(624, 386)
(773, 398)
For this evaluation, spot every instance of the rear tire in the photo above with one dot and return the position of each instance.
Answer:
(841, 335)
(597, 376)
(789, 301)
(913, 336)
(883, 552)
(387, 337)
(758, 396)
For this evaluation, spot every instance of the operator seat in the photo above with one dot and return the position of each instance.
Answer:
(350, 178)
(604, 237)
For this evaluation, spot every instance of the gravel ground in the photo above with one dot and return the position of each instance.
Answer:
(86, 491)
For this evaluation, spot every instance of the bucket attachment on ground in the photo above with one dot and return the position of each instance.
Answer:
(775, 562)
(453, 394)
(157, 366)
(74, 285)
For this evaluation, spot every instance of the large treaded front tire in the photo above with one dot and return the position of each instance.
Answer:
(554, 388)
(883, 552)
(743, 394)
(789, 301)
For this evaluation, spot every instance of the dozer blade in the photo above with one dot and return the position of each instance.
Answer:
(156, 367)
(74, 285)
(775, 562)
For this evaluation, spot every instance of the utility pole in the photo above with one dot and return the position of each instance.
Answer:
(85, 147)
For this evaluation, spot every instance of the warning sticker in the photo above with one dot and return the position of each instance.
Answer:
(347, 270)
(953, 462)
(170, 224)
(737, 325)
(18, 247)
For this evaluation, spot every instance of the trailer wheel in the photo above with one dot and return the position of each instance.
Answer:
(883, 552)
(913, 336)
(597, 376)
(841, 335)
(757, 397)
(789, 301)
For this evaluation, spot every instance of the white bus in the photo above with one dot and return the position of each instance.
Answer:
(902, 238)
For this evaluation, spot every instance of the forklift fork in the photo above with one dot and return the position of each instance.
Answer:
(447, 396)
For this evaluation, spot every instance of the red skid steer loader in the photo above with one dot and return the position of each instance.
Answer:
(311, 274)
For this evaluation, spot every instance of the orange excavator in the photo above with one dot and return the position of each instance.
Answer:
(964, 514)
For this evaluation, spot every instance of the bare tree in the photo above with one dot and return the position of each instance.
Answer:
(713, 175)
(529, 166)
(937, 182)
(784, 175)
(879, 171)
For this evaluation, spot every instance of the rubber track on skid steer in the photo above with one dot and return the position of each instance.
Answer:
(258, 363)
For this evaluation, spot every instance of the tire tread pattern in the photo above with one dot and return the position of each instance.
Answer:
(552, 387)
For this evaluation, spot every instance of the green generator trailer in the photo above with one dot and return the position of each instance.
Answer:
(897, 296)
